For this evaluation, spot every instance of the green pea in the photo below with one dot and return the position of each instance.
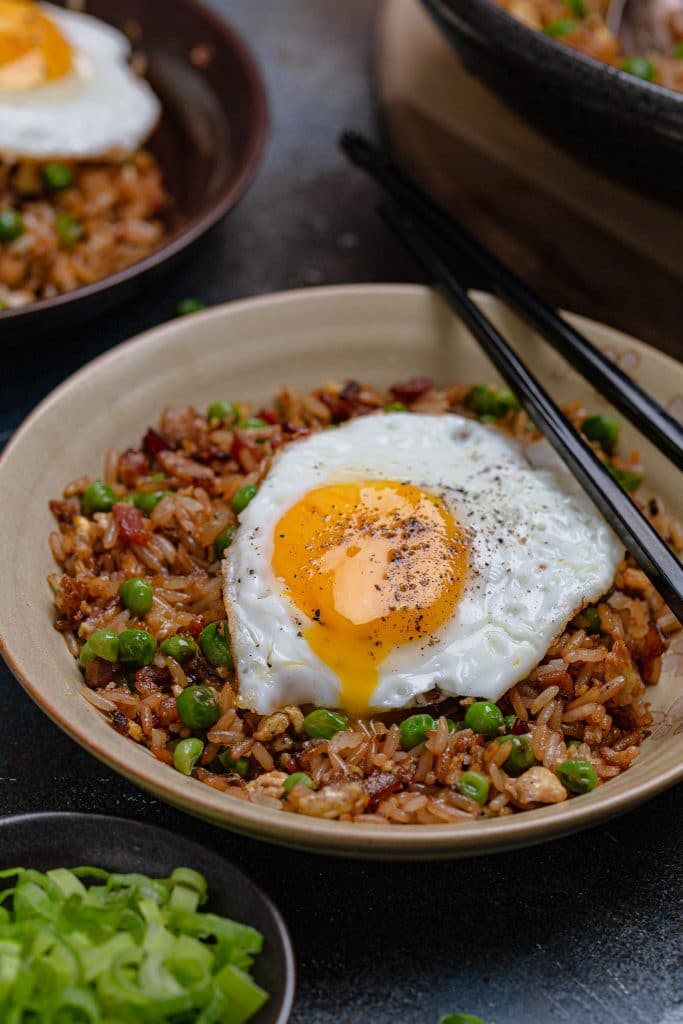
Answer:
(484, 718)
(243, 497)
(461, 1018)
(520, 757)
(475, 786)
(678, 50)
(70, 229)
(186, 306)
(509, 721)
(592, 617)
(198, 707)
(488, 417)
(626, 478)
(414, 730)
(11, 224)
(147, 501)
(396, 407)
(180, 648)
(223, 541)
(137, 595)
(577, 776)
(641, 67)
(561, 27)
(186, 755)
(297, 779)
(86, 654)
(322, 724)
(105, 644)
(97, 497)
(223, 411)
(252, 422)
(57, 176)
(603, 429)
(136, 647)
(578, 7)
(241, 765)
(454, 726)
(487, 402)
(214, 641)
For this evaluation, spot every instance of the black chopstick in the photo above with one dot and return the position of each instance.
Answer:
(606, 377)
(640, 538)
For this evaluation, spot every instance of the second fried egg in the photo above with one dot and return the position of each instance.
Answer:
(403, 552)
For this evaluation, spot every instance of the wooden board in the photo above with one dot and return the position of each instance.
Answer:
(584, 241)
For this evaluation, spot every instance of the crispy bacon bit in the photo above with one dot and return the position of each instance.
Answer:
(120, 722)
(519, 728)
(246, 452)
(379, 785)
(153, 443)
(293, 428)
(290, 763)
(129, 521)
(99, 672)
(132, 464)
(72, 593)
(63, 511)
(185, 469)
(350, 392)
(269, 415)
(150, 678)
(339, 410)
(410, 390)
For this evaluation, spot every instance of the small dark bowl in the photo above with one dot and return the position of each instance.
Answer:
(208, 143)
(626, 127)
(44, 841)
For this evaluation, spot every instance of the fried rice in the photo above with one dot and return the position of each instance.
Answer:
(107, 218)
(585, 701)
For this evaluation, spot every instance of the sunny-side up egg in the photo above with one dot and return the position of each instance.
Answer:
(66, 89)
(402, 552)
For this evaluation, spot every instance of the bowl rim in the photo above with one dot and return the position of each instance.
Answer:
(94, 820)
(230, 194)
(557, 58)
(332, 837)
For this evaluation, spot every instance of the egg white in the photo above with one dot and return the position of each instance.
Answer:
(539, 551)
(101, 108)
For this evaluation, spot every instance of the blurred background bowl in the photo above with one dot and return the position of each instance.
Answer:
(208, 142)
(627, 127)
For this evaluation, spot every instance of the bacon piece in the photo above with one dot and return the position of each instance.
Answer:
(129, 521)
(153, 443)
(379, 785)
(150, 678)
(269, 415)
(99, 672)
(410, 390)
(184, 468)
(132, 464)
(63, 511)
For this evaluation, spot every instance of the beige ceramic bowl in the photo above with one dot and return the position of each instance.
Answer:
(378, 333)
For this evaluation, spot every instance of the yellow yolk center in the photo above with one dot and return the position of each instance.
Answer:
(32, 49)
(375, 565)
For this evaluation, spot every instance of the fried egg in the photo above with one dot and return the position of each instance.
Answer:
(401, 552)
(66, 89)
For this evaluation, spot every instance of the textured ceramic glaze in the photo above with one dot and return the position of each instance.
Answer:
(378, 333)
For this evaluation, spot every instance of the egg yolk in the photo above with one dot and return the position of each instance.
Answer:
(375, 565)
(32, 49)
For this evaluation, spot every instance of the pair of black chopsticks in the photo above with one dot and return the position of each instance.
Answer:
(418, 222)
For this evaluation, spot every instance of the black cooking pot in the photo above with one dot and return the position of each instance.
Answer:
(627, 127)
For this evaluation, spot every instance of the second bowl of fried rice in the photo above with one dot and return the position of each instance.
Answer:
(140, 497)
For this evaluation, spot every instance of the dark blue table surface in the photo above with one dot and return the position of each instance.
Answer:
(582, 930)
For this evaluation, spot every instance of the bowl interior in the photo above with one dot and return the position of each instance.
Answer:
(45, 841)
(248, 349)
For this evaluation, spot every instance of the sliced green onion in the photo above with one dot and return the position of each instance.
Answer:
(98, 948)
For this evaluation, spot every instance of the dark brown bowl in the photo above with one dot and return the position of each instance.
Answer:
(208, 143)
(45, 841)
(622, 125)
